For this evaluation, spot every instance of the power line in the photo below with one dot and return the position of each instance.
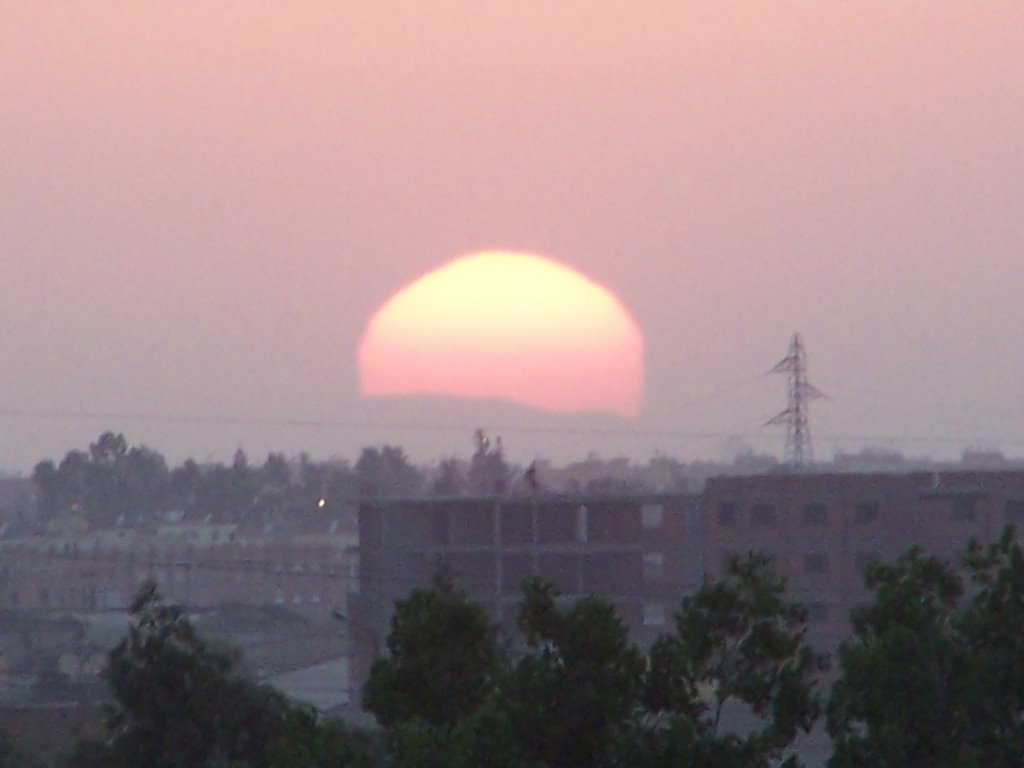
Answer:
(797, 434)
(676, 434)
(370, 424)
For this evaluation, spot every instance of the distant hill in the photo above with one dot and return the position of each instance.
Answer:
(430, 427)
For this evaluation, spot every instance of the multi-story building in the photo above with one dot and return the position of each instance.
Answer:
(645, 552)
(640, 551)
(821, 530)
(195, 565)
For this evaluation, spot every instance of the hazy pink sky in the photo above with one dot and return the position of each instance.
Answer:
(201, 204)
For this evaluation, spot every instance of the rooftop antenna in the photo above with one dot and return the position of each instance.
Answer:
(799, 448)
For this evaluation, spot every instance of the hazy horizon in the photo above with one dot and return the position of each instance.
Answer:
(202, 205)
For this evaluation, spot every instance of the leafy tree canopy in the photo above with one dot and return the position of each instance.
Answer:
(488, 471)
(182, 702)
(386, 471)
(179, 701)
(442, 661)
(571, 692)
(578, 693)
(934, 673)
(738, 649)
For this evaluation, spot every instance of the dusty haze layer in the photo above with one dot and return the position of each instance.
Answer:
(202, 204)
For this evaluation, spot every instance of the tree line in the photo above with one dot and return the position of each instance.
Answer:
(112, 483)
(931, 675)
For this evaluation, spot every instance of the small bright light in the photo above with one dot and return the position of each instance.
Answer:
(322, 503)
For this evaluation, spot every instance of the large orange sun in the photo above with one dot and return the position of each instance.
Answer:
(506, 325)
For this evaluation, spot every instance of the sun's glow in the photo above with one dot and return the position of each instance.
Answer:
(506, 325)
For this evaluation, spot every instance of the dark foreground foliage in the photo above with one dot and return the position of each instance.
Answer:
(182, 702)
(933, 675)
(579, 694)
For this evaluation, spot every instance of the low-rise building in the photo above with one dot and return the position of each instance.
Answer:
(195, 565)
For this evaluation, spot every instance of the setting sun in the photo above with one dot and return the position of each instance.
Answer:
(506, 325)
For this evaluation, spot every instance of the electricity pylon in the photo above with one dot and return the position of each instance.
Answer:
(799, 447)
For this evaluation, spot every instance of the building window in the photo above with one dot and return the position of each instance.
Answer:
(816, 562)
(763, 514)
(863, 559)
(651, 515)
(654, 614)
(817, 611)
(865, 512)
(965, 508)
(1014, 511)
(815, 513)
(654, 565)
(727, 515)
(582, 524)
(727, 560)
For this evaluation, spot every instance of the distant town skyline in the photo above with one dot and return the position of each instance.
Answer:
(203, 204)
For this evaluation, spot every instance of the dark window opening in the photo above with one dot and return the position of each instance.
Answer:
(817, 611)
(865, 512)
(816, 562)
(763, 514)
(727, 560)
(815, 513)
(863, 559)
(1015, 511)
(965, 508)
(727, 515)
